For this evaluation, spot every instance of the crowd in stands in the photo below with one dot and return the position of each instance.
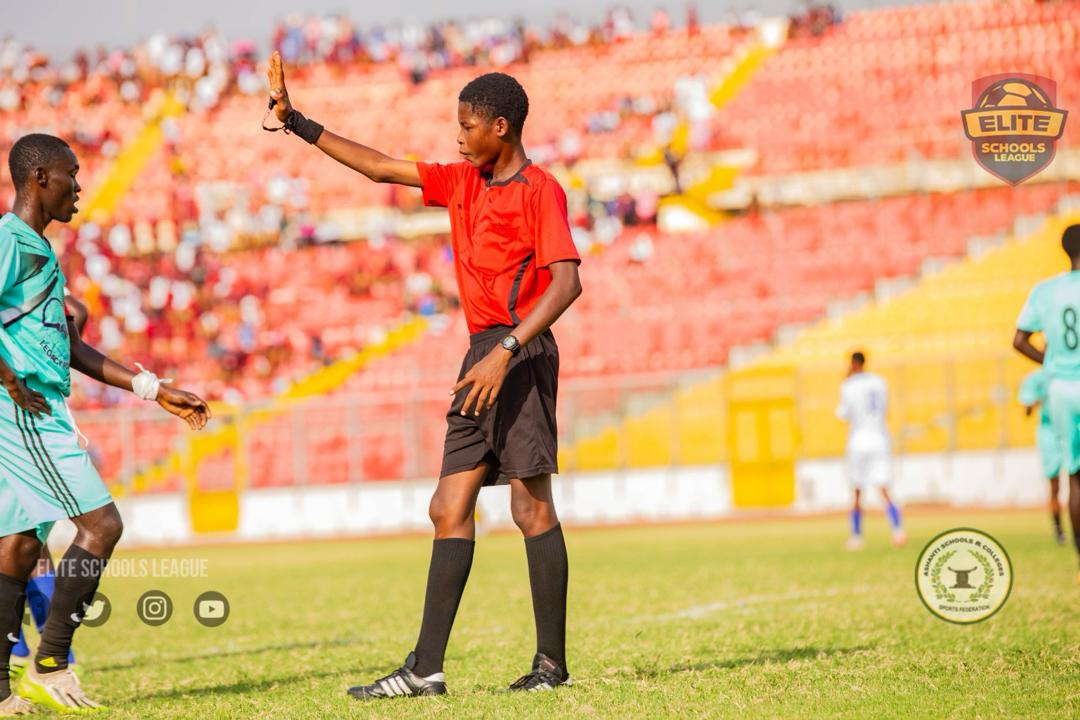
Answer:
(244, 325)
(100, 97)
(208, 64)
(420, 49)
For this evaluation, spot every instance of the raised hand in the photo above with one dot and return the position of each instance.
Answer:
(188, 407)
(275, 74)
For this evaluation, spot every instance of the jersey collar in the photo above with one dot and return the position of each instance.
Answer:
(519, 176)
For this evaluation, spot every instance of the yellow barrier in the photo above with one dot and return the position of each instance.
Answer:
(762, 436)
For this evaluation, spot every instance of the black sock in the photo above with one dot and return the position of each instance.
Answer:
(77, 576)
(548, 577)
(12, 603)
(451, 560)
(1057, 522)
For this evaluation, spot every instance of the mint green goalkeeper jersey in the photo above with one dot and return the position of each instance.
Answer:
(34, 339)
(1053, 308)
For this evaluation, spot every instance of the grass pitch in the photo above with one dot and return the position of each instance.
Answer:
(735, 619)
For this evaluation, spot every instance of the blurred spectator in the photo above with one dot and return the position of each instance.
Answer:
(693, 26)
(660, 22)
(814, 22)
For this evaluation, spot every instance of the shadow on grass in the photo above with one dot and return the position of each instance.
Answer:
(772, 656)
(238, 652)
(349, 676)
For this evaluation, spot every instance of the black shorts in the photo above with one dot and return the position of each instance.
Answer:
(517, 436)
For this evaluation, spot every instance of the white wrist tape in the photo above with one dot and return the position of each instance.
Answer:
(146, 384)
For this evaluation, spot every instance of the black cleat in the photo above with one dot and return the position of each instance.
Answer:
(545, 675)
(403, 682)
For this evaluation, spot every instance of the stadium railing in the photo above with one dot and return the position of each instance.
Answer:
(954, 404)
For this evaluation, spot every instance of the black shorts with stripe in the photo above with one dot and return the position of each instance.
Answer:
(518, 436)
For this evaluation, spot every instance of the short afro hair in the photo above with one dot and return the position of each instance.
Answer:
(496, 95)
(1070, 241)
(858, 357)
(33, 151)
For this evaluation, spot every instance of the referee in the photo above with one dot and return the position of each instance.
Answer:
(517, 272)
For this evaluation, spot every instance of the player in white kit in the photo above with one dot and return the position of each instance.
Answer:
(863, 403)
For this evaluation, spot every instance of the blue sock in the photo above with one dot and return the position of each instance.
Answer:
(894, 516)
(39, 593)
(21, 649)
(856, 522)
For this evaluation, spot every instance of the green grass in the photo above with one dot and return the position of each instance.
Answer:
(735, 619)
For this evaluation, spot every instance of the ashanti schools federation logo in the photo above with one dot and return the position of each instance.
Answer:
(1013, 124)
(963, 576)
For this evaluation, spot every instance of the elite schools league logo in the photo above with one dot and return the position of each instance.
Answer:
(1013, 124)
(963, 576)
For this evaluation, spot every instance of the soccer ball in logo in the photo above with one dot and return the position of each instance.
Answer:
(1014, 93)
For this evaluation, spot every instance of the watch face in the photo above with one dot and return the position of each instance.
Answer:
(510, 343)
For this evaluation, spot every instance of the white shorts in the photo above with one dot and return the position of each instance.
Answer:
(870, 467)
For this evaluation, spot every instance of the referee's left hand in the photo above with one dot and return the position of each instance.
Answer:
(275, 75)
(486, 378)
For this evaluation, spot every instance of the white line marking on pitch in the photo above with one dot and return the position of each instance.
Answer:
(697, 612)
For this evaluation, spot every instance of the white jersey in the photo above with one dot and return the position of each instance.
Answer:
(863, 404)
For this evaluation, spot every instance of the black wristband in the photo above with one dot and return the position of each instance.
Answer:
(307, 130)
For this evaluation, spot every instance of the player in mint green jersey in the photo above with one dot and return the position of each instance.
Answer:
(1033, 397)
(45, 473)
(42, 582)
(1053, 308)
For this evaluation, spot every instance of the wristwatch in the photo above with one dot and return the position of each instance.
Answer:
(511, 343)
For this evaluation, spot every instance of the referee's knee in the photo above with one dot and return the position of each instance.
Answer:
(532, 517)
(449, 518)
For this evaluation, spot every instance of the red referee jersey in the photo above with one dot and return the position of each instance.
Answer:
(505, 235)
